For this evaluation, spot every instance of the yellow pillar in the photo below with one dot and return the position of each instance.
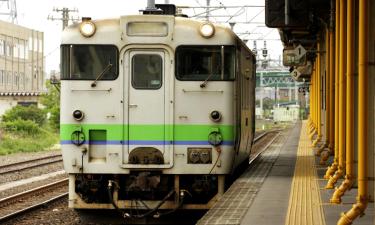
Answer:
(323, 151)
(327, 91)
(332, 169)
(310, 120)
(349, 144)
(342, 88)
(362, 197)
(312, 104)
(331, 100)
(318, 98)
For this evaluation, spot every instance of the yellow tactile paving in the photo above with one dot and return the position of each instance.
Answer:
(305, 203)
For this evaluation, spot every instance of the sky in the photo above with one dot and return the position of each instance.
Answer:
(33, 14)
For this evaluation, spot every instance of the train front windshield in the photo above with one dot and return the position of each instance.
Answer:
(196, 63)
(88, 62)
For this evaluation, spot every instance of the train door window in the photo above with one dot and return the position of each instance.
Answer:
(88, 62)
(196, 63)
(147, 71)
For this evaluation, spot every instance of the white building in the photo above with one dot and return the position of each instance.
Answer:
(21, 65)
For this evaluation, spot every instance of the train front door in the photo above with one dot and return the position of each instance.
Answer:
(145, 106)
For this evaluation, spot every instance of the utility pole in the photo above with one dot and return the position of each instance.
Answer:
(208, 10)
(65, 16)
(261, 95)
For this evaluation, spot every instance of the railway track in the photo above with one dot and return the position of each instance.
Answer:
(21, 203)
(29, 164)
(261, 142)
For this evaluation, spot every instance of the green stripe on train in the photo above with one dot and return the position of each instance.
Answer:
(150, 132)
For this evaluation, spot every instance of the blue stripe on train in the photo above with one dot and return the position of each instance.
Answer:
(67, 142)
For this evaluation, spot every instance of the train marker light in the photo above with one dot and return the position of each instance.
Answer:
(215, 116)
(215, 138)
(78, 115)
(78, 138)
(87, 27)
(207, 30)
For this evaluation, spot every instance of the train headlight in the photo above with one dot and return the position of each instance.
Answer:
(207, 30)
(87, 27)
(215, 138)
(215, 116)
(78, 115)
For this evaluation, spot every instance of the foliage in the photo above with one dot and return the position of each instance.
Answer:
(23, 126)
(268, 103)
(31, 113)
(24, 129)
(14, 142)
(51, 100)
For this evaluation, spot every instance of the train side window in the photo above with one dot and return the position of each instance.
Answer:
(196, 63)
(86, 62)
(147, 71)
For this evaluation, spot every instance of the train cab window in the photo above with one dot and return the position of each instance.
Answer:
(196, 63)
(147, 71)
(88, 62)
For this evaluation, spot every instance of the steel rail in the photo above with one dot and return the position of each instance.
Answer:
(8, 200)
(33, 207)
(28, 161)
(12, 198)
(260, 136)
(252, 158)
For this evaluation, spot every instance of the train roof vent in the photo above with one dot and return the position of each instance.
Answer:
(160, 9)
(168, 9)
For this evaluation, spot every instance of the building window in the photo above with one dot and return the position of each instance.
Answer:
(30, 43)
(27, 103)
(40, 47)
(9, 78)
(21, 77)
(22, 49)
(2, 77)
(28, 84)
(2, 47)
(8, 49)
(16, 78)
(27, 50)
(35, 49)
(15, 50)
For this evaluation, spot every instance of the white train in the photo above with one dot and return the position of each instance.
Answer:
(156, 112)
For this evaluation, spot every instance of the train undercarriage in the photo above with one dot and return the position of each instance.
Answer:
(152, 193)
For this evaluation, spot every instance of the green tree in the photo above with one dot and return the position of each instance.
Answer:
(31, 113)
(257, 103)
(21, 126)
(51, 100)
(268, 103)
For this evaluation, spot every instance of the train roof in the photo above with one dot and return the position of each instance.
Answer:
(149, 29)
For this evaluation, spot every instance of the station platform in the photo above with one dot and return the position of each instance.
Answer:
(284, 185)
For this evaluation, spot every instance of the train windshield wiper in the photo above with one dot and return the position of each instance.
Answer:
(203, 85)
(106, 69)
